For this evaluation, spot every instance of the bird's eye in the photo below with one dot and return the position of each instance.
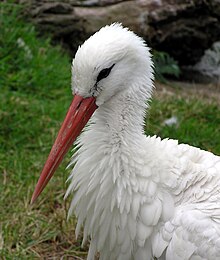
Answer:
(104, 73)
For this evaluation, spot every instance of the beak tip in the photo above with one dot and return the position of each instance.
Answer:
(32, 200)
(34, 197)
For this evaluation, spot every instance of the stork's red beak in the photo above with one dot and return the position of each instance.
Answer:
(80, 110)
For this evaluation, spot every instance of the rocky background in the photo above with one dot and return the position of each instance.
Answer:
(189, 30)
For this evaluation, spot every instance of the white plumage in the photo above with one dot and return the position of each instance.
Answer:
(137, 197)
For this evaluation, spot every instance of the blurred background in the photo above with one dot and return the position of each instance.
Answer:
(38, 40)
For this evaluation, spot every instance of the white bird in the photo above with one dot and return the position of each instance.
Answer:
(138, 197)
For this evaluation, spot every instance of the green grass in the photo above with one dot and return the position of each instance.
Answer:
(198, 121)
(35, 93)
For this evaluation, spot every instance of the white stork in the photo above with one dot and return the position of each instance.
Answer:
(138, 197)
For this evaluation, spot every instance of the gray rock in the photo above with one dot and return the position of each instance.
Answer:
(208, 68)
(183, 28)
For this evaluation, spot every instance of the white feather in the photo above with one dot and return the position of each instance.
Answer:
(138, 197)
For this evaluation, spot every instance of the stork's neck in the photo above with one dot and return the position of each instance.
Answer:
(121, 119)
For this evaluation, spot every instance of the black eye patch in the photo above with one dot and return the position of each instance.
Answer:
(104, 73)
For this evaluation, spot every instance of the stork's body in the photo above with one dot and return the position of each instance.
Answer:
(137, 197)
(136, 205)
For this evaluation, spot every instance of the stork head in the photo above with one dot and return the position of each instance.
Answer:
(110, 61)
